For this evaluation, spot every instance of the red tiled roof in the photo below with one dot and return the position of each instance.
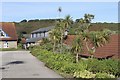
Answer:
(9, 28)
(108, 50)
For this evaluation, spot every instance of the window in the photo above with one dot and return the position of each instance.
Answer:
(5, 44)
(3, 34)
(7, 35)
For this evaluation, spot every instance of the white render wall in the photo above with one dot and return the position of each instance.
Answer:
(11, 44)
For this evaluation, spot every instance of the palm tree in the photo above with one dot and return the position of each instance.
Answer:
(96, 38)
(84, 29)
(88, 18)
(61, 29)
(54, 37)
(59, 10)
(87, 21)
(67, 21)
(86, 37)
(62, 26)
(99, 39)
(77, 47)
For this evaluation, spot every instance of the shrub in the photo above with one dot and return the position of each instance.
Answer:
(103, 66)
(57, 65)
(81, 66)
(47, 46)
(68, 67)
(87, 74)
(19, 46)
(104, 75)
(65, 63)
(84, 74)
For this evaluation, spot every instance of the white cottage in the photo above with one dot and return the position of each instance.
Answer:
(37, 35)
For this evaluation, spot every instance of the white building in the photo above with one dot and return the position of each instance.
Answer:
(39, 34)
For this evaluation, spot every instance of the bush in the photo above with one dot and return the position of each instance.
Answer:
(88, 74)
(19, 46)
(103, 66)
(104, 75)
(47, 46)
(84, 74)
(65, 63)
(68, 67)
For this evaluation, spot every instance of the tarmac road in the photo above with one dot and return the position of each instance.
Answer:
(21, 64)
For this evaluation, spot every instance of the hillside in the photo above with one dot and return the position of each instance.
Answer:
(29, 26)
(98, 27)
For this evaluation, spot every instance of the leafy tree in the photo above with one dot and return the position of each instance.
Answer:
(85, 23)
(95, 38)
(83, 29)
(67, 21)
(20, 35)
(24, 20)
(60, 29)
(54, 37)
(99, 39)
(63, 26)
(77, 46)
(88, 18)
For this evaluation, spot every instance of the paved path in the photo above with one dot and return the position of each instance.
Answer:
(21, 64)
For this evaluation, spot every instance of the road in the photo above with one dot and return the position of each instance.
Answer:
(21, 64)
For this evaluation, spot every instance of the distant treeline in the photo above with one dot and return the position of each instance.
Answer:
(37, 20)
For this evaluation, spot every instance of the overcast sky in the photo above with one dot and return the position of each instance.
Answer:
(17, 11)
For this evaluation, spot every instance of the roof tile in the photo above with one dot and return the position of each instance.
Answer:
(9, 28)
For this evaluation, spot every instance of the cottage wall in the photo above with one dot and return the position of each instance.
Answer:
(11, 44)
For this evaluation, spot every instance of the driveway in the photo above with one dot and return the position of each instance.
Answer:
(21, 64)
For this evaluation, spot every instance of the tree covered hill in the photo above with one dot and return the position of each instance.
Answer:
(28, 26)
(100, 26)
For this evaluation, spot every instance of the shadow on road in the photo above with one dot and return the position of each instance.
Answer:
(15, 62)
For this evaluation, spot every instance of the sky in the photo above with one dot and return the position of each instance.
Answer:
(17, 11)
(59, 0)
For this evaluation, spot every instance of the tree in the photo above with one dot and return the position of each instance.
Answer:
(67, 21)
(85, 22)
(86, 38)
(63, 26)
(99, 39)
(83, 29)
(24, 20)
(95, 38)
(77, 47)
(82, 32)
(54, 37)
(59, 10)
(88, 18)
(60, 28)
